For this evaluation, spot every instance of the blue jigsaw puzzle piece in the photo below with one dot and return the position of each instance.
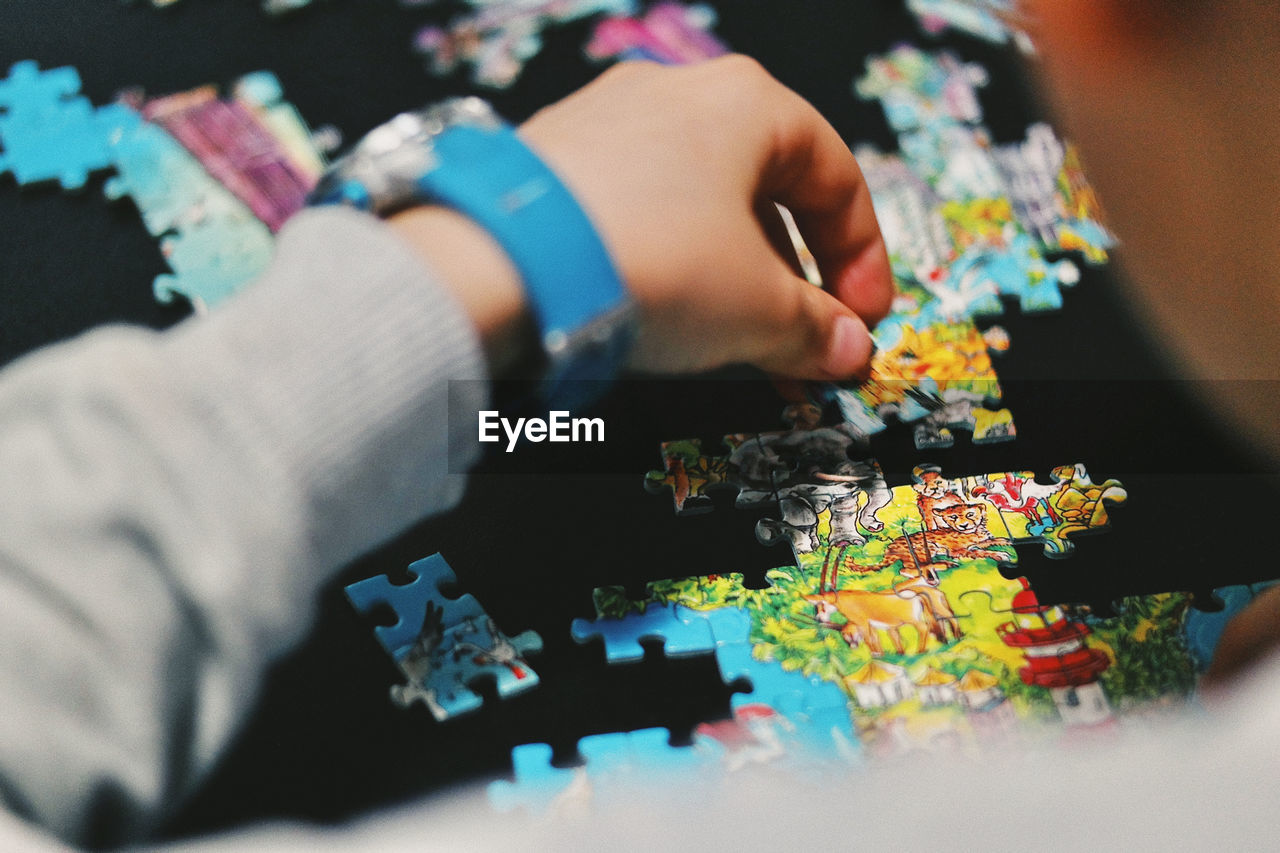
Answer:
(65, 143)
(213, 260)
(167, 184)
(30, 92)
(537, 783)
(622, 637)
(727, 624)
(444, 645)
(409, 602)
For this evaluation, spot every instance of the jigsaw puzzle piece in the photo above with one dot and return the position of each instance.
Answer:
(228, 139)
(668, 33)
(29, 92)
(622, 636)
(938, 373)
(169, 186)
(470, 651)
(213, 259)
(410, 601)
(262, 93)
(689, 474)
(61, 140)
(962, 411)
(538, 784)
(444, 645)
(920, 90)
(501, 36)
(1077, 506)
(614, 766)
(984, 19)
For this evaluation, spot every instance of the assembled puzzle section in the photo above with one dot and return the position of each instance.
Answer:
(967, 224)
(211, 177)
(925, 632)
(443, 645)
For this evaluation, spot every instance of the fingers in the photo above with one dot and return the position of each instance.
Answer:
(810, 169)
(803, 332)
(1253, 634)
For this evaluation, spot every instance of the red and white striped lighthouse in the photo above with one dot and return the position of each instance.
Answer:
(1058, 659)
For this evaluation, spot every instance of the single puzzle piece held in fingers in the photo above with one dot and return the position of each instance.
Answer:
(442, 645)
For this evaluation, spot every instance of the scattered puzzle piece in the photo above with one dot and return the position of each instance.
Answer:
(669, 33)
(49, 133)
(441, 644)
(500, 36)
(985, 19)
(235, 147)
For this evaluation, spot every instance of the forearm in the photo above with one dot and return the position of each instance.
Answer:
(174, 500)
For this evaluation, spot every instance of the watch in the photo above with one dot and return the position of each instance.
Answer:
(460, 154)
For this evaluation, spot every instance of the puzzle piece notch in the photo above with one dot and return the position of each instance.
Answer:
(443, 645)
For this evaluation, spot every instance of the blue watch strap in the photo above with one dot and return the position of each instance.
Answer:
(575, 293)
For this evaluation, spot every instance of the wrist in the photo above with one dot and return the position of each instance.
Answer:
(473, 266)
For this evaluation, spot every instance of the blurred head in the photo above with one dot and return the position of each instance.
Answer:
(1175, 105)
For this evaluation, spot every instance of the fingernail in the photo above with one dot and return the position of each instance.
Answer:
(850, 349)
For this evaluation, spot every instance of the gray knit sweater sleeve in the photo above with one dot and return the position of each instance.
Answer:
(172, 501)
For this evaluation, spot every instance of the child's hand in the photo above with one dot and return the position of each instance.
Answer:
(679, 169)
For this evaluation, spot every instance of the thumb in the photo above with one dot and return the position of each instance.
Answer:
(818, 338)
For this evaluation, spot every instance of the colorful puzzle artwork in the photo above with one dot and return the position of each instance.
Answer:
(498, 37)
(967, 224)
(669, 33)
(900, 633)
(984, 19)
(211, 177)
(444, 645)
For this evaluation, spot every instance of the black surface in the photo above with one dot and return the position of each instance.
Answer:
(326, 742)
